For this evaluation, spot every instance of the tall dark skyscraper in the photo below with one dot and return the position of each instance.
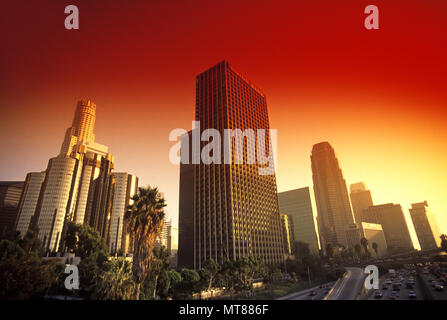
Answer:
(236, 210)
(331, 195)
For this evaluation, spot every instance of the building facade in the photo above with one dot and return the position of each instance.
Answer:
(360, 199)
(391, 217)
(297, 204)
(77, 186)
(426, 226)
(126, 186)
(288, 237)
(236, 211)
(28, 200)
(10, 193)
(331, 196)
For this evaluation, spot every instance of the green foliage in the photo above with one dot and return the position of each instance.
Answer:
(23, 272)
(208, 273)
(87, 243)
(145, 218)
(116, 283)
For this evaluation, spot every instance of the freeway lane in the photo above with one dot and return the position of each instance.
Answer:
(350, 286)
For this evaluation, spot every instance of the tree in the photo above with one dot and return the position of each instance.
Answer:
(444, 242)
(145, 218)
(301, 250)
(159, 266)
(329, 250)
(116, 283)
(190, 283)
(209, 270)
(358, 250)
(23, 272)
(375, 247)
(364, 243)
(88, 244)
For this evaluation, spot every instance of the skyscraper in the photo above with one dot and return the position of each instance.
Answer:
(331, 195)
(82, 126)
(186, 233)
(28, 200)
(126, 186)
(360, 199)
(297, 204)
(77, 186)
(236, 210)
(10, 192)
(287, 230)
(426, 226)
(394, 226)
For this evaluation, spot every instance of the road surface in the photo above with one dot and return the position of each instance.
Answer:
(349, 287)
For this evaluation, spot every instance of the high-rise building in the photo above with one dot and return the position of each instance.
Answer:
(394, 226)
(331, 196)
(165, 239)
(126, 186)
(10, 192)
(235, 207)
(426, 226)
(360, 199)
(77, 186)
(372, 232)
(82, 126)
(186, 233)
(28, 200)
(297, 204)
(287, 230)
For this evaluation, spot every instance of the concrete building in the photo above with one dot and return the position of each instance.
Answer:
(126, 186)
(370, 231)
(186, 231)
(360, 199)
(288, 237)
(297, 204)
(394, 226)
(10, 192)
(77, 186)
(426, 226)
(28, 200)
(236, 211)
(331, 196)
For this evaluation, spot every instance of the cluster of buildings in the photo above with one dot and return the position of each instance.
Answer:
(79, 185)
(227, 211)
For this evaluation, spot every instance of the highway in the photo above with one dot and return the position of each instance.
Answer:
(348, 287)
(403, 293)
(316, 293)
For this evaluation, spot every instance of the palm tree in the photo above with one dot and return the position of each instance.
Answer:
(375, 248)
(145, 218)
(358, 250)
(364, 243)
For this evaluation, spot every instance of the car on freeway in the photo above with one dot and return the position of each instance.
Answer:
(384, 286)
(312, 293)
(378, 294)
(438, 287)
(394, 295)
(409, 285)
(388, 281)
(412, 295)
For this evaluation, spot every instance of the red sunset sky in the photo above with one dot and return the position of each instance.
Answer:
(378, 96)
